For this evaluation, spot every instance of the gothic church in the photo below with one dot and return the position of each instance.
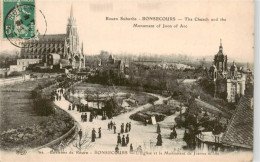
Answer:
(65, 45)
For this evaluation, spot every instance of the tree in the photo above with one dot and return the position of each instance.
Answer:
(83, 143)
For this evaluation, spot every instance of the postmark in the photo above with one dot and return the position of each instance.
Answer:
(19, 22)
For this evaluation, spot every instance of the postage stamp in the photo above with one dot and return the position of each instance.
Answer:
(19, 19)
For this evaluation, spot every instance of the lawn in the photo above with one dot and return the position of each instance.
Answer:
(20, 125)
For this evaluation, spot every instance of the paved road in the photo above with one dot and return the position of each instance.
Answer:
(144, 136)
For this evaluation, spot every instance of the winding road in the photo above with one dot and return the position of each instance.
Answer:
(140, 135)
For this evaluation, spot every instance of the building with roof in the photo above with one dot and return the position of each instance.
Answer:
(229, 82)
(114, 66)
(220, 60)
(239, 132)
(66, 45)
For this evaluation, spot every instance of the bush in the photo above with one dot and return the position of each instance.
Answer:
(43, 106)
(15, 73)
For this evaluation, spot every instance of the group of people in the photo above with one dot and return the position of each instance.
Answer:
(173, 134)
(123, 141)
(56, 94)
(131, 148)
(80, 107)
(84, 117)
(127, 128)
(112, 126)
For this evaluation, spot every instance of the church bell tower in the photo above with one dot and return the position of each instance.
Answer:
(72, 34)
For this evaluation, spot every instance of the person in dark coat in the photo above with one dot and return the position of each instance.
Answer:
(82, 117)
(99, 132)
(70, 107)
(85, 117)
(93, 137)
(127, 139)
(122, 128)
(114, 129)
(146, 122)
(73, 106)
(131, 148)
(126, 128)
(116, 149)
(90, 117)
(111, 125)
(123, 141)
(129, 125)
(108, 126)
(80, 134)
(159, 140)
(158, 128)
(118, 139)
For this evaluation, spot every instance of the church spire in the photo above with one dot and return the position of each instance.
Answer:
(220, 46)
(82, 52)
(71, 12)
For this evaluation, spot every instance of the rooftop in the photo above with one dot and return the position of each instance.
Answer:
(240, 130)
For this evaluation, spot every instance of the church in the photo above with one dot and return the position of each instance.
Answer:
(66, 46)
(230, 83)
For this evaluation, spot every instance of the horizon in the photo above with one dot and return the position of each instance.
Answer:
(201, 39)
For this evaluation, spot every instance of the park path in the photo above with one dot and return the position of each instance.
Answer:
(140, 135)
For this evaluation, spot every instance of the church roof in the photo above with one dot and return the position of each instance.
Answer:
(52, 37)
(240, 130)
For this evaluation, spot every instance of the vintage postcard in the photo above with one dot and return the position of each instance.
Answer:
(139, 80)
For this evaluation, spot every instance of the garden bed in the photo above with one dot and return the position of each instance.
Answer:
(159, 111)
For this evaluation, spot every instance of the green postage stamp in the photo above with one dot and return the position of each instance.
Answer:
(18, 19)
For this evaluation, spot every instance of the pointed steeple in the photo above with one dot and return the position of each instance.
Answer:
(220, 46)
(82, 52)
(71, 12)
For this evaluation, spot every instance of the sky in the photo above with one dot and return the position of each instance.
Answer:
(199, 39)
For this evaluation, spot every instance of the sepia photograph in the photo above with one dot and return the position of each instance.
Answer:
(126, 80)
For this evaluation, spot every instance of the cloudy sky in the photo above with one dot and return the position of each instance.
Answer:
(199, 39)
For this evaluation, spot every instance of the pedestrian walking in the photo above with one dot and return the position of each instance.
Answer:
(129, 125)
(90, 117)
(159, 140)
(114, 129)
(127, 139)
(122, 128)
(111, 125)
(146, 122)
(82, 117)
(117, 149)
(118, 139)
(85, 117)
(99, 132)
(80, 134)
(131, 148)
(93, 137)
(158, 128)
(123, 141)
(126, 128)
(108, 126)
